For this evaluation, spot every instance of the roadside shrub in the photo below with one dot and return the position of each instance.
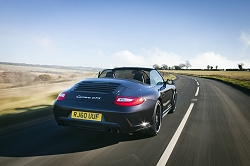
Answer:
(72, 76)
(44, 77)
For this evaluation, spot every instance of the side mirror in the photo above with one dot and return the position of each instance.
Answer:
(170, 82)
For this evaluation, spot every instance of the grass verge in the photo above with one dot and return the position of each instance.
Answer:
(32, 113)
(240, 79)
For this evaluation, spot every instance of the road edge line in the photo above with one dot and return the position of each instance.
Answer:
(166, 154)
(197, 91)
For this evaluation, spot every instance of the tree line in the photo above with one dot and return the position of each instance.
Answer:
(187, 64)
(175, 67)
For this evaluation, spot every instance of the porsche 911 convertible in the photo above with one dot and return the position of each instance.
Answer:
(122, 100)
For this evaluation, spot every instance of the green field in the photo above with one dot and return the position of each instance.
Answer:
(20, 93)
(238, 78)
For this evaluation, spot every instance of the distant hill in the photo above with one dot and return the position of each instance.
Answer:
(53, 66)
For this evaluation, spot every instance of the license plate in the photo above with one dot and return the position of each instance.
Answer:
(86, 116)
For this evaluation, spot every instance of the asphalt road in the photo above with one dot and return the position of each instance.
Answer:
(217, 132)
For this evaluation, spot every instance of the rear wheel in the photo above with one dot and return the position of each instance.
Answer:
(157, 119)
(173, 102)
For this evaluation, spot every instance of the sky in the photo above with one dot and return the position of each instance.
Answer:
(110, 33)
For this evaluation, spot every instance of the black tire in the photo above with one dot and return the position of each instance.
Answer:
(173, 102)
(156, 121)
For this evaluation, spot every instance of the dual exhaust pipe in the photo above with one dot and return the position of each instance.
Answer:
(62, 123)
(109, 129)
(113, 130)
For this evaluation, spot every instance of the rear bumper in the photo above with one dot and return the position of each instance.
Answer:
(125, 119)
(91, 125)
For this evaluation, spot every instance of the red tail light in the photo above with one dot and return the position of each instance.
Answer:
(128, 101)
(62, 96)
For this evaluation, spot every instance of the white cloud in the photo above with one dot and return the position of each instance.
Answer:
(210, 58)
(157, 56)
(146, 58)
(126, 58)
(45, 43)
(245, 37)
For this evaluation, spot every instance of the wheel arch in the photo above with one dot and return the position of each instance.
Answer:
(160, 99)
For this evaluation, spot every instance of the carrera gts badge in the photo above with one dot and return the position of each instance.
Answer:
(87, 97)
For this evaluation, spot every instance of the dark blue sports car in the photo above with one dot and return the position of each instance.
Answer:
(120, 100)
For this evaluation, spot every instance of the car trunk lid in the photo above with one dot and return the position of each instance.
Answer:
(95, 91)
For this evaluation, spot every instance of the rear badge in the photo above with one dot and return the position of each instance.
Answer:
(88, 97)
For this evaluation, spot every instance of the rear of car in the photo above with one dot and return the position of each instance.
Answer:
(105, 104)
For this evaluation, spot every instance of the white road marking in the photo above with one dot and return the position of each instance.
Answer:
(194, 100)
(198, 83)
(166, 154)
(197, 91)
